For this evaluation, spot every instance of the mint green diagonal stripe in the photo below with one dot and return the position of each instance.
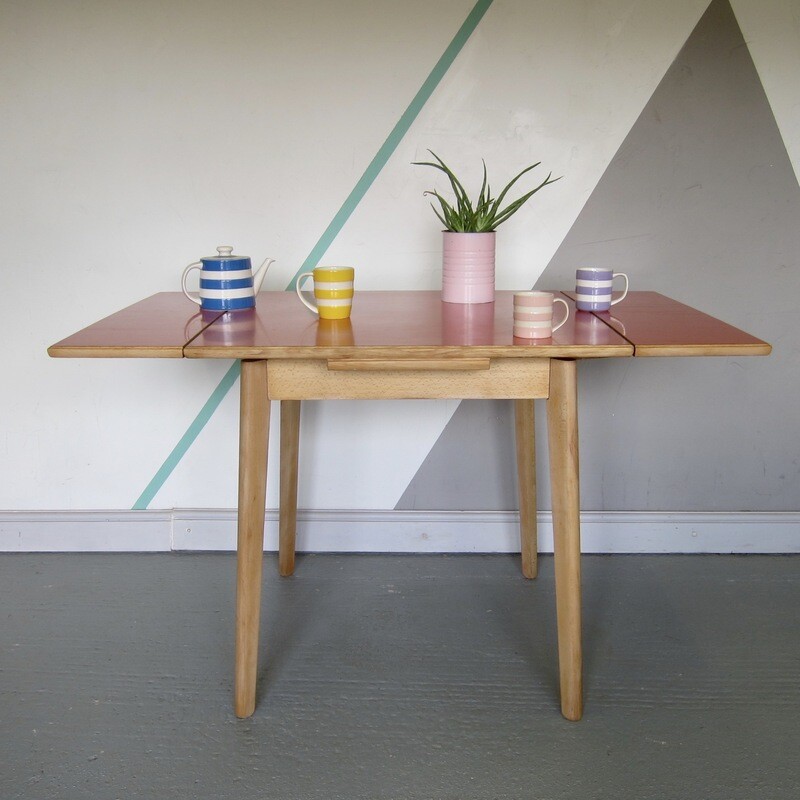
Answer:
(192, 432)
(394, 138)
(342, 215)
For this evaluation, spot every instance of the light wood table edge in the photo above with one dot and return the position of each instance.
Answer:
(94, 351)
(679, 350)
(394, 353)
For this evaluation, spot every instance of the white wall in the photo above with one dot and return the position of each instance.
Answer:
(140, 135)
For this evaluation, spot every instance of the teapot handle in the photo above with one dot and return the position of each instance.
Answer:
(195, 265)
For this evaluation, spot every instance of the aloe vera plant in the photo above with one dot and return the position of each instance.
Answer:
(486, 213)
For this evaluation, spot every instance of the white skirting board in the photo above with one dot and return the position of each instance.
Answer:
(398, 531)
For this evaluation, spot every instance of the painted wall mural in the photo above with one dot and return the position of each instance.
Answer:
(141, 139)
(698, 203)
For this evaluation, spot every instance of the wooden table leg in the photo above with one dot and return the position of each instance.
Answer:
(562, 423)
(290, 443)
(253, 446)
(526, 474)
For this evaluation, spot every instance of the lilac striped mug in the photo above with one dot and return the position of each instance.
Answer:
(593, 288)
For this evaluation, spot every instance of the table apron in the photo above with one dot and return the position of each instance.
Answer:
(505, 378)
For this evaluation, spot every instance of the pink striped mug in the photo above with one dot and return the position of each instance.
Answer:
(533, 314)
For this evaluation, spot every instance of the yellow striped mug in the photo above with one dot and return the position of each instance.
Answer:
(333, 291)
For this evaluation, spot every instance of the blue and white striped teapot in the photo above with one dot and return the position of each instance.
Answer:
(227, 282)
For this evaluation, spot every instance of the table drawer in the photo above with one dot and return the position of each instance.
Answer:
(294, 379)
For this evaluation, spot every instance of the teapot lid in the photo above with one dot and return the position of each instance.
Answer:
(224, 260)
(224, 251)
(224, 257)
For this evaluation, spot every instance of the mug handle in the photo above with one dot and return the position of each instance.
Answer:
(196, 265)
(305, 302)
(559, 300)
(625, 291)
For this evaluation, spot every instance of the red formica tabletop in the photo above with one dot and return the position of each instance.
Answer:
(157, 327)
(659, 326)
(418, 323)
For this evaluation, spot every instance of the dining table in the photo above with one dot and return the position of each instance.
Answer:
(407, 345)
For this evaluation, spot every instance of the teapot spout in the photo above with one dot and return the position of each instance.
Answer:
(258, 277)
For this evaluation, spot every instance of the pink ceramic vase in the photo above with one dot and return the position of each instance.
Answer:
(468, 267)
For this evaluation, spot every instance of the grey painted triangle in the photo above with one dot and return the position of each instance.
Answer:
(700, 203)
(471, 466)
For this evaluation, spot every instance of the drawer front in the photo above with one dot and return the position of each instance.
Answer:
(504, 378)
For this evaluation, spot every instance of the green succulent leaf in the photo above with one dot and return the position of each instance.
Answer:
(486, 213)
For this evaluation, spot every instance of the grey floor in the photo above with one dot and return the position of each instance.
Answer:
(398, 677)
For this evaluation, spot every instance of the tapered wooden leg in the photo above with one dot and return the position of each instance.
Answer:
(526, 475)
(253, 444)
(290, 443)
(562, 423)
